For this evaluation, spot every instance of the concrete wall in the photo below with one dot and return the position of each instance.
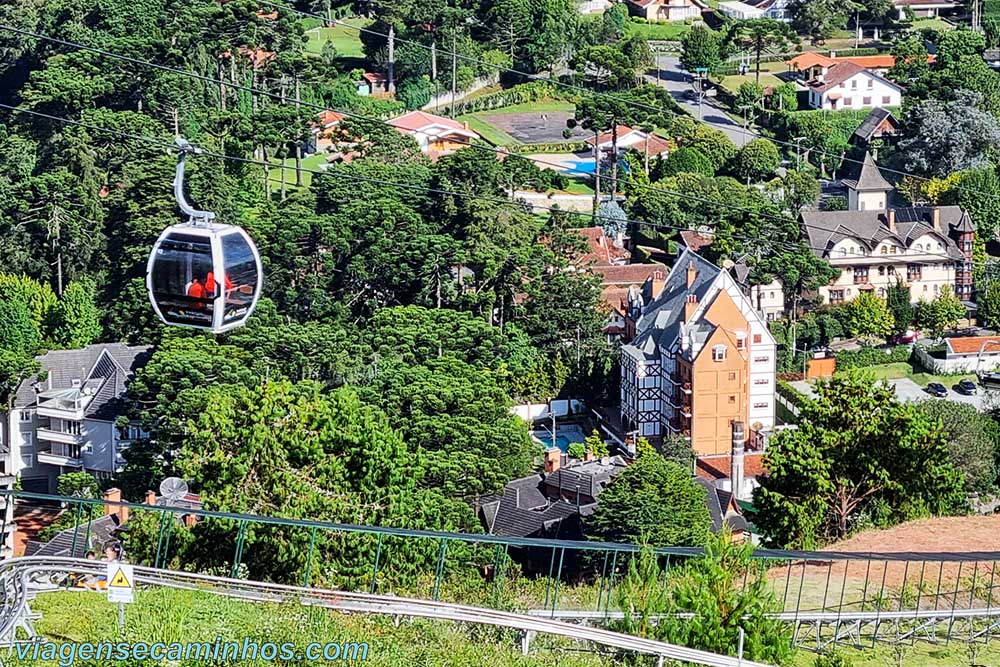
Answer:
(539, 201)
(958, 363)
(536, 411)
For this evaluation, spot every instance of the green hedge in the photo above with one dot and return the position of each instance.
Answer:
(558, 147)
(519, 94)
(791, 394)
(872, 356)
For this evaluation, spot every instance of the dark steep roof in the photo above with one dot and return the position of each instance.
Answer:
(871, 123)
(826, 228)
(869, 179)
(718, 500)
(533, 505)
(105, 369)
(661, 319)
(101, 532)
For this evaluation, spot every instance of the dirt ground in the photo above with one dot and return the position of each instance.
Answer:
(944, 567)
(532, 128)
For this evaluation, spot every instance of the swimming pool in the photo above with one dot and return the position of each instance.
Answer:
(565, 436)
(578, 167)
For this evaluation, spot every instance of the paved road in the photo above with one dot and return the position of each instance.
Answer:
(674, 79)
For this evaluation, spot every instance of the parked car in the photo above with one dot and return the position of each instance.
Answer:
(905, 338)
(967, 387)
(937, 389)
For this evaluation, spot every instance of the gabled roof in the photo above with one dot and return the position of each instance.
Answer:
(590, 477)
(329, 118)
(62, 545)
(718, 505)
(601, 250)
(103, 368)
(870, 179)
(826, 228)
(872, 122)
(840, 72)
(419, 120)
(629, 137)
(971, 344)
(810, 59)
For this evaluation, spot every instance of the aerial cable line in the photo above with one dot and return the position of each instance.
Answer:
(590, 93)
(497, 151)
(496, 200)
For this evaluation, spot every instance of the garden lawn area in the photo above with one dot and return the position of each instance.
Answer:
(492, 134)
(935, 23)
(312, 162)
(767, 76)
(346, 40)
(907, 369)
(666, 31)
(579, 187)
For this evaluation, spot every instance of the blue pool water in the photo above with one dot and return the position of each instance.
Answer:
(562, 442)
(581, 167)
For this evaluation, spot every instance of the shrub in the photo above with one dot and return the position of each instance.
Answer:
(872, 356)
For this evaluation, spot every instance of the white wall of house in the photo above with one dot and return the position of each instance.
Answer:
(920, 265)
(866, 201)
(958, 363)
(769, 300)
(861, 91)
(779, 11)
(593, 6)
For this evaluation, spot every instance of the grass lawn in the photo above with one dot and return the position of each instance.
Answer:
(312, 162)
(492, 134)
(934, 22)
(667, 31)
(579, 187)
(906, 369)
(346, 40)
(767, 76)
(955, 654)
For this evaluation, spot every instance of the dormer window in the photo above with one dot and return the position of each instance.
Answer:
(719, 353)
(741, 341)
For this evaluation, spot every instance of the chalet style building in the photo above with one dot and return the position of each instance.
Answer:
(666, 10)
(702, 358)
(65, 420)
(924, 247)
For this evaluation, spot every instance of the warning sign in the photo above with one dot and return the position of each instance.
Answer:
(121, 584)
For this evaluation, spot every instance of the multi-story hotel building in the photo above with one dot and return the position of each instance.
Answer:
(702, 358)
(925, 248)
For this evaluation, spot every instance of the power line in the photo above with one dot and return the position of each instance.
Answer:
(409, 186)
(497, 151)
(590, 93)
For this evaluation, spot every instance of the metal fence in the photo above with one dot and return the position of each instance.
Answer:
(829, 597)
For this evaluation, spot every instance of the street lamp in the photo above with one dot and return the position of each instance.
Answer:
(700, 73)
(745, 108)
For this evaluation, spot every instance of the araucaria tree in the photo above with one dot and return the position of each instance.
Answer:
(858, 456)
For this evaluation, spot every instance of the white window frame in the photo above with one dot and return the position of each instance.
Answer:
(718, 353)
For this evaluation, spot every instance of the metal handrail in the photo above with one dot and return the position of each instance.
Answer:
(21, 569)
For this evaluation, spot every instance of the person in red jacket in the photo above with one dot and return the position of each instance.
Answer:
(210, 283)
(196, 290)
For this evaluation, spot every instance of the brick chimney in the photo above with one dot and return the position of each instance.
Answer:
(736, 469)
(659, 282)
(589, 455)
(691, 274)
(890, 220)
(553, 459)
(690, 305)
(150, 498)
(115, 496)
(936, 219)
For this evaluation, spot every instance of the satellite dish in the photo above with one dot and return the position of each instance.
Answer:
(173, 489)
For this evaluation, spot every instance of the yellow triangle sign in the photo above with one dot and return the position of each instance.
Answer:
(120, 580)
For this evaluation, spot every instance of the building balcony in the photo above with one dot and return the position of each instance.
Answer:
(59, 436)
(686, 388)
(57, 460)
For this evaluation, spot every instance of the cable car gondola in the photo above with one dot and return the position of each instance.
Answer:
(202, 274)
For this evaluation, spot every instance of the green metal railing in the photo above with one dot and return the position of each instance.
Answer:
(554, 574)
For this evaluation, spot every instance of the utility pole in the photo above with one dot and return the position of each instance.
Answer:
(55, 223)
(454, 70)
(597, 172)
(798, 152)
(391, 73)
(298, 144)
(434, 57)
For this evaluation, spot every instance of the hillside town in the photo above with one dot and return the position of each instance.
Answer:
(561, 312)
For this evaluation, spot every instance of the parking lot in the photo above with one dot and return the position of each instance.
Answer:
(908, 390)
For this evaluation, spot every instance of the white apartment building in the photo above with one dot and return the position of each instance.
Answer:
(63, 420)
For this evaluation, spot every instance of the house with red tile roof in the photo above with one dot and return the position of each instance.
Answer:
(645, 143)
(848, 85)
(374, 84)
(965, 354)
(436, 135)
(622, 282)
(324, 133)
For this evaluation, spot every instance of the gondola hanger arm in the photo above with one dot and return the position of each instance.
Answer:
(195, 216)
